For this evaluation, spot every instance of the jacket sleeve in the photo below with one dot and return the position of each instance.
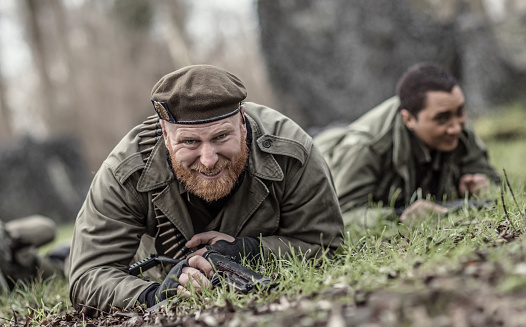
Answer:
(476, 159)
(106, 236)
(356, 169)
(310, 217)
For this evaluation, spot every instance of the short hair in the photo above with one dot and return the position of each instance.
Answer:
(419, 79)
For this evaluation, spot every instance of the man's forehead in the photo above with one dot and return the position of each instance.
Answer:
(212, 127)
(445, 99)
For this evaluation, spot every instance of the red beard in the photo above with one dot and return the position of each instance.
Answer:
(212, 189)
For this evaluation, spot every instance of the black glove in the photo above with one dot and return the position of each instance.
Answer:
(239, 248)
(168, 288)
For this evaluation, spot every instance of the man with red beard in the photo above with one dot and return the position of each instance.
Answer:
(208, 173)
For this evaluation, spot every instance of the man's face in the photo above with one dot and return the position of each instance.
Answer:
(440, 123)
(208, 158)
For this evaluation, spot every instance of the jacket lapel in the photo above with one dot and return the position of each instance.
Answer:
(171, 202)
(158, 175)
(402, 156)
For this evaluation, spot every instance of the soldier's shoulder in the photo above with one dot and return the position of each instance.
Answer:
(276, 133)
(132, 152)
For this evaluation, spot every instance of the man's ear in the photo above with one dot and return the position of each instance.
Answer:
(242, 111)
(163, 127)
(408, 119)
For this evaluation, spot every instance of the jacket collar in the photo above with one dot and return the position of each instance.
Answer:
(402, 158)
(156, 173)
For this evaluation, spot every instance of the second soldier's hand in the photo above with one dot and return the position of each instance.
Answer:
(421, 209)
(473, 184)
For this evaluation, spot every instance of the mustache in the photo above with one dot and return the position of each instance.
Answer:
(221, 164)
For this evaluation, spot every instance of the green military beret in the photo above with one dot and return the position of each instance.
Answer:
(197, 94)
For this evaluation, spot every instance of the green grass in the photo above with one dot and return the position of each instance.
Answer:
(504, 132)
(502, 124)
(461, 253)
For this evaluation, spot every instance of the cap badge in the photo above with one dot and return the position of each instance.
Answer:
(162, 111)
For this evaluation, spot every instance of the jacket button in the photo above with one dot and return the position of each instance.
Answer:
(267, 143)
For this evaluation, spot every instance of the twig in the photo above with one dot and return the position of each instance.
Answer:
(97, 309)
(511, 190)
(10, 320)
(29, 318)
(403, 237)
(14, 316)
(504, 207)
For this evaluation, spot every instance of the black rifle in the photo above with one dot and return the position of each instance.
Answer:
(456, 205)
(240, 278)
(149, 262)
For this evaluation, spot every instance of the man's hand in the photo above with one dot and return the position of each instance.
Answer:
(420, 209)
(198, 275)
(207, 238)
(193, 272)
(233, 247)
(473, 184)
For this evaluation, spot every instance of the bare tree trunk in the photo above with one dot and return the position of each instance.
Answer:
(70, 86)
(6, 132)
(170, 15)
(46, 102)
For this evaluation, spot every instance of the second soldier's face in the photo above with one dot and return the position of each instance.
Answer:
(208, 158)
(440, 123)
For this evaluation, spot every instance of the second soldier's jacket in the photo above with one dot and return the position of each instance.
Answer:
(377, 165)
(136, 206)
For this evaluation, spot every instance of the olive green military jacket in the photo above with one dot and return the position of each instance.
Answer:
(287, 197)
(373, 165)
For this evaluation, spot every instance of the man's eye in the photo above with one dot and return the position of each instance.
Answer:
(442, 119)
(222, 136)
(189, 142)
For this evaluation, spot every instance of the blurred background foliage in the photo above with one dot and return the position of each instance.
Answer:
(76, 75)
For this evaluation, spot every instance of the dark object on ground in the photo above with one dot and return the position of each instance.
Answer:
(42, 177)
(61, 253)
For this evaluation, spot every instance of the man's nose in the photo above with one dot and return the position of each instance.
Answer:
(456, 127)
(208, 155)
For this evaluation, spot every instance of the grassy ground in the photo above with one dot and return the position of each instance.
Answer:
(464, 269)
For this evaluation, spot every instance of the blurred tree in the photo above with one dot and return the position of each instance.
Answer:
(94, 62)
(6, 133)
(46, 28)
(117, 67)
(333, 60)
(89, 75)
(135, 15)
(46, 96)
(172, 21)
(68, 86)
